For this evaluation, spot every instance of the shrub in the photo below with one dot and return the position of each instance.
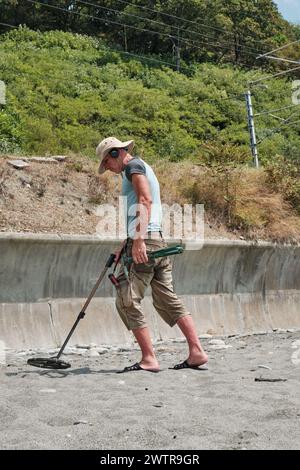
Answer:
(284, 176)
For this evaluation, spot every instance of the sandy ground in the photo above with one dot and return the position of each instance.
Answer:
(91, 407)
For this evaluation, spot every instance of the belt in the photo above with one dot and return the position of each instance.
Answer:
(153, 236)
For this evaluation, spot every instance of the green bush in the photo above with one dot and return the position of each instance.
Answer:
(65, 92)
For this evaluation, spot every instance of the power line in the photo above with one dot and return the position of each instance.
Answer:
(146, 57)
(151, 59)
(233, 97)
(130, 26)
(182, 19)
(215, 45)
(282, 59)
(275, 110)
(164, 25)
(219, 100)
(123, 13)
(182, 40)
(275, 75)
(278, 129)
(104, 20)
(278, 49)
(9, 25)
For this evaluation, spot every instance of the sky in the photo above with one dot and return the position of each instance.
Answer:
(290, 9)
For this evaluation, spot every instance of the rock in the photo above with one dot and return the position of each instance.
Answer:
(216, 341)
(18, 164)
(165, 349)
(220, 346)
(80, 421)
(25, 180)
(269, 379)
(211, 332)
(205, 336)
(68, 351)
(59, 158)
(101, 350)
(52, 351)
(42, 159)
(93, 353)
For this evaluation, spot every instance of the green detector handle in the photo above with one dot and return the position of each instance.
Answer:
(172, 250)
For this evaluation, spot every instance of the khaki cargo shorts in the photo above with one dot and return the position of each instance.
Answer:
(158, 274)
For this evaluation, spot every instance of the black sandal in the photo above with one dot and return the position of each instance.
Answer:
(186, 365)
(135, 367)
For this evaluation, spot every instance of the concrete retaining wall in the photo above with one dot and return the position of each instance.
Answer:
(230, 287)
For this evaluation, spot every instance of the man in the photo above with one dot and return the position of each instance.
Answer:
(144, 216)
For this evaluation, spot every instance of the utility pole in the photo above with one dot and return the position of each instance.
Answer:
(176, 47)
(251, 128)
(178, 52)
(125, 39)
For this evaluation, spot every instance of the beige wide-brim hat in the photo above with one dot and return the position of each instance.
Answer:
(108, 144)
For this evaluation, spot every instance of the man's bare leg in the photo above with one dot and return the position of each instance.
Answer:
(149, 360)
(197, 356)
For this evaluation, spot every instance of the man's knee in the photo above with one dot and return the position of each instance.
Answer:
(132, 316)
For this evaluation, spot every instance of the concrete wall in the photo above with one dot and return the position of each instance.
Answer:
(230, 287)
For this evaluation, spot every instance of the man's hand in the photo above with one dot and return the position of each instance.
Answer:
(139, 252)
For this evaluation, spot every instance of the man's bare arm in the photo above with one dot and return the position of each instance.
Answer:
(144, 199)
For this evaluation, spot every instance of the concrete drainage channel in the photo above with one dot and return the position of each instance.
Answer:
(230, 287)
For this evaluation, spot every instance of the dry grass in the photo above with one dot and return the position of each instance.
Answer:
(239, 202)
(239, 199)
(263, 213)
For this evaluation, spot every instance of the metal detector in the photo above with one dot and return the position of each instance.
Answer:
(55, 362)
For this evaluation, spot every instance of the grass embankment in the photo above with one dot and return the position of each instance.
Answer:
(66, 91)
